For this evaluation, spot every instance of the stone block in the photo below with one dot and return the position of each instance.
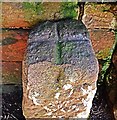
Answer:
(98, 16)
(11, 73)
(59, 72)
(13, 45)
(102, 42)
(13, 15)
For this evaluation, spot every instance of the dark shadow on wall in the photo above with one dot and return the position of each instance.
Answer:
(11, 98)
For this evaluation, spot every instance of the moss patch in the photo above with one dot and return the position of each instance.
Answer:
(32, 11)
(68, 9)
(35, 7)
(62, 48)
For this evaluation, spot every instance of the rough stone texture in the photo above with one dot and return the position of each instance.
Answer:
(12, 15)
(17, 15)
(102, 42)
(95, 17)
(13, 45)
(11, 73)
(60, 71)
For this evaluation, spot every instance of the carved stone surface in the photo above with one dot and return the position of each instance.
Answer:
(60, 71)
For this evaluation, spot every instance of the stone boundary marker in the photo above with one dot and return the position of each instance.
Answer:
(60, 71)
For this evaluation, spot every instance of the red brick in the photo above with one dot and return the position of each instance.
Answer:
(15, 42)
(11, 73)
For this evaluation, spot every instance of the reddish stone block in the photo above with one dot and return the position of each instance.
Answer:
(13, 45)
(102, 41)
(11, 72)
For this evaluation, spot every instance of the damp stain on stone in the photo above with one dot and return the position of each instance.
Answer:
(8, 41)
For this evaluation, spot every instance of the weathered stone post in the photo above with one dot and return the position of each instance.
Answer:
(59, 72)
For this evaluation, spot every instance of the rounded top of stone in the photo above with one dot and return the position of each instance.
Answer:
(62, 42)
(60, 30)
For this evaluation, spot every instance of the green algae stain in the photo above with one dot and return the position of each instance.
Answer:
(68, 9)
(58, 53)
(62, 48)
(68, 47)
(107, 63)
